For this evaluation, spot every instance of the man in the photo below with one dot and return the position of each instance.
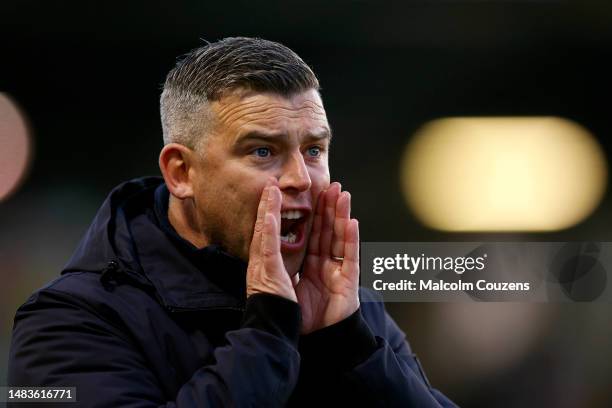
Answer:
(234, 280)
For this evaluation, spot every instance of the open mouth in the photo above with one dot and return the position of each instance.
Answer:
(292, 226)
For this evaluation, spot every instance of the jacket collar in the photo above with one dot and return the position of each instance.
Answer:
(132, 229)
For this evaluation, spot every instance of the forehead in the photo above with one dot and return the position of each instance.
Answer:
(242, 112)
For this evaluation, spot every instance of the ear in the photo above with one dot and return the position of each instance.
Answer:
(175, 162)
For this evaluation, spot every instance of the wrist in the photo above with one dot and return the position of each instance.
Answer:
(341, 346)
(273, 314)
(286, 293)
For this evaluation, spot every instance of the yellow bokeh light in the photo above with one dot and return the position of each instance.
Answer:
(503, 174)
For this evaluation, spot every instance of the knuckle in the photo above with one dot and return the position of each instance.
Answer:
(268, 252)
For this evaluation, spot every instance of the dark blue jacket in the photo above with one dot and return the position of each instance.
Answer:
(141, 318)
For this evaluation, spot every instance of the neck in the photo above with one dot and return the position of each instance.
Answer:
(181, 215)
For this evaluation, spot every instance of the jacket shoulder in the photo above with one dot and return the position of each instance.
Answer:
(80, 285)
(84, 293)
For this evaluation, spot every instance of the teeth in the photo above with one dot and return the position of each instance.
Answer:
(290, 237)
(292, 214)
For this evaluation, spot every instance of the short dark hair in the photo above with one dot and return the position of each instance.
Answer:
(207, 73)
(253, 63)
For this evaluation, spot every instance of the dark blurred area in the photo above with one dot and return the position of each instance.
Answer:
(87, 76)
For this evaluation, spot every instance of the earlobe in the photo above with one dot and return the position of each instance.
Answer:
(174, 163)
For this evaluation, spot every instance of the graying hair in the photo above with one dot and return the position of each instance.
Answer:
(207, 73)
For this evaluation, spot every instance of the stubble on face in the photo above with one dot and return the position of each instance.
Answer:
(229, 178)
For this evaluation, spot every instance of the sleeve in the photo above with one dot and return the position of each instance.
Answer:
(58, 341)
(380, 369)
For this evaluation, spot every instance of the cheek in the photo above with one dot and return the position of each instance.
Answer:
(250, 199)
(320, 180)
(254, 195)
(241, 190)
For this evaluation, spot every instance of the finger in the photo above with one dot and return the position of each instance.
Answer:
(343, 214)
(315, 232)
(262, 207)
(329, 214)
(275, 200)
(259, 222)
(270, 248)
(350, 265)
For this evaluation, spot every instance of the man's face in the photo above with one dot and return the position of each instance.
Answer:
(257, 136)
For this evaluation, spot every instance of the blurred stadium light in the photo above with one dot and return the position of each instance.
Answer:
(15, 147)
(503, 174)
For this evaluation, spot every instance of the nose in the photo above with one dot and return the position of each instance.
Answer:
(295, 177)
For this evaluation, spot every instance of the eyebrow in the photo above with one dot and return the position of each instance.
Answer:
(258, 135)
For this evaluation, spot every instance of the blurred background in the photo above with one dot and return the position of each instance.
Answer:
(80, 83)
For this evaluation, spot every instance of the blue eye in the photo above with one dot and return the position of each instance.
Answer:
(314, 151)
(262, 152)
